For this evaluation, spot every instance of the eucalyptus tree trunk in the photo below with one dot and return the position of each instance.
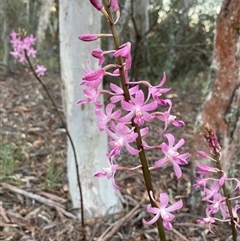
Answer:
(43, 21)
(27, 12)
(140, 21)
(221, 108)
(78, 17)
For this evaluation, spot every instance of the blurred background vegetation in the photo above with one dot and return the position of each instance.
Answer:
(178, 37)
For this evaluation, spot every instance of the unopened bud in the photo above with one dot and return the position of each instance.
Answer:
(92, 37)
(88, 37)
(96, 4)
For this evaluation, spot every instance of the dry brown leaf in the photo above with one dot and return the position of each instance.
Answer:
(19, 109)
(38, 143)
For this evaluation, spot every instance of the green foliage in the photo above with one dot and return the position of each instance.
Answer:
(9, 156)
(53, 173)
(181, 43)
(179, 40)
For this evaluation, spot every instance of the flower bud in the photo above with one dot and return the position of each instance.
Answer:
(96, 4)
(202, 154)
(88, 37)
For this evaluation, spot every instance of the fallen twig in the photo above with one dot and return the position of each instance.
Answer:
(180, 235)
(3, 214)
(38, 198)
(53, 197)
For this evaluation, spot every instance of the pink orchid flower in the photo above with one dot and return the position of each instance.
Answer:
(125, 52)
(40, 70)
(22, 45)
(109, 116)
(93, 78)
(211, 192)
(138, 109)
(208, 220)
(109, 172)
(122, 136)
(218, 203)
(98, 53)
(167, 118)
(156, 91)
(172, 156)
(162, 210)
(91, 95)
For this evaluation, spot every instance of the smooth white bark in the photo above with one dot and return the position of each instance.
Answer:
(78, 17)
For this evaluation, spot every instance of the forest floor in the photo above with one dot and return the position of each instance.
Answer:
(35, 203)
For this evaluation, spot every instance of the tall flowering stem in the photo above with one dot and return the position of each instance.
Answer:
(215, 150)
(68, 135)
(142, 156)
(127, 127)
(220, 201)
(23, 49)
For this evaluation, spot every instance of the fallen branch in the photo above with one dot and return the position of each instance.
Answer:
(47, 202)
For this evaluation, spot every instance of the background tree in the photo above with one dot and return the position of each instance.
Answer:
(45, 12)
(78, 17)
(221, 107)
(140, 22)
(5, 34)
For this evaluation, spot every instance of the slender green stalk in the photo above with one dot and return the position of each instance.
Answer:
(69, 137)
(142, 156)
(228, 203)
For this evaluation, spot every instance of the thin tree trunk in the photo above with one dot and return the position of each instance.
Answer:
(140, 21)
(43, 21)
(5, 36)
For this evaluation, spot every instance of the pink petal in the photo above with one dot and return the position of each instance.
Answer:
(167, 225)
(171, 139)
(131, 150)
(116, 88)
(177, 205)
(177, 170)
(127, 106)
(139, 98)
(127, 117)
(150, 106)
(179, 144)
(161, 162)
(163, 197)
(153, 210)
(152, 221)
